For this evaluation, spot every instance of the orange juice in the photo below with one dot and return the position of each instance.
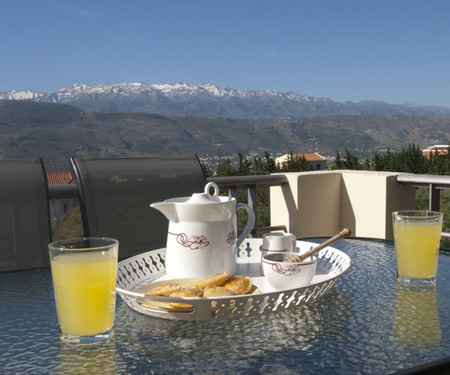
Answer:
(84, 285)
(417, 248)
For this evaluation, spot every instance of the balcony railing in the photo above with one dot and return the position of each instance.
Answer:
(435, 183)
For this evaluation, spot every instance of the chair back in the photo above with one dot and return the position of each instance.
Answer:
(115, 195)
(25, 230)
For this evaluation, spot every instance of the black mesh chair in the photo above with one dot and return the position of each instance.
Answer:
(25, 230)
(115, 194)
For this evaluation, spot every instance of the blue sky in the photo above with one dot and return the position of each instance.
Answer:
(396, 51)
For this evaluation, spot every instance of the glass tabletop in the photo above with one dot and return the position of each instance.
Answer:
(366, 324)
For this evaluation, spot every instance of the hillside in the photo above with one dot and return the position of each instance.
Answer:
(58, 131)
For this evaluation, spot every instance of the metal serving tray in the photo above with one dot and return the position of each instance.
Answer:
(133, 273)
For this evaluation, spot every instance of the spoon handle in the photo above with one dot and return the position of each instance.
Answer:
(343, 233)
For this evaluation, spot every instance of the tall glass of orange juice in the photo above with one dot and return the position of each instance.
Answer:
(416, 236)
(84, 274)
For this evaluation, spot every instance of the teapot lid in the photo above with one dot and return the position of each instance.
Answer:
(206, 197)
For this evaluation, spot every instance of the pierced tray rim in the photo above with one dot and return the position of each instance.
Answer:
(236, 306)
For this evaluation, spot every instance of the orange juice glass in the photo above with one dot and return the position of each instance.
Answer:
(417, 236)
(84, 274)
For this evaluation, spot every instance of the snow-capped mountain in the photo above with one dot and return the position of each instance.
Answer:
(24, 95)
(210, 100)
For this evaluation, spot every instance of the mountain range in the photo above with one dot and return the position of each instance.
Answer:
(56, 131)
(210, 100)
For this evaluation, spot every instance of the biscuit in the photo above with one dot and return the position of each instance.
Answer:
(188, 292)
(239, 284)
(216, 291)
(165, 290)
(185, 292)
(216, 280)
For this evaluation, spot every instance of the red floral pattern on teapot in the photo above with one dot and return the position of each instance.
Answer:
(193, 242)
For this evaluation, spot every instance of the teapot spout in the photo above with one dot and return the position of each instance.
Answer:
(168, 209)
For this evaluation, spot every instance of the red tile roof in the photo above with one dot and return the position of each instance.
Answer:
(441, 150)
(310, 156)
(60, 178)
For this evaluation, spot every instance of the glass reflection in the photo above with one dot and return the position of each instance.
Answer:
(416, 319)
(91, 359)
(201, 345)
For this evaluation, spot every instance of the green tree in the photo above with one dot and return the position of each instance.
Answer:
(409, 160)
(351, 161)
(207, 171)
(270, 163)
(378, 162)
(337, 161)
(438, 163)
(226, 169)
(259, 166)
(243, 166)
(69, 226)
(412, 160)
(392, 161)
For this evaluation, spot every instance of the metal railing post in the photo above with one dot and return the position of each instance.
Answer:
(252, 198)
(233, 193)
(434, 201)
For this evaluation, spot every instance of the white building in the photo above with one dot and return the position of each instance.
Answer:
(440, 149)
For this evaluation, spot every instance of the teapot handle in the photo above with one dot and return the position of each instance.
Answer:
(294, 242)
(250, 222)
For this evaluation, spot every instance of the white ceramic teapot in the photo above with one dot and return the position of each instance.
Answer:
(201, 240)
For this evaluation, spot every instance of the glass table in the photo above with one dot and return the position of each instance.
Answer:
(366, 324)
